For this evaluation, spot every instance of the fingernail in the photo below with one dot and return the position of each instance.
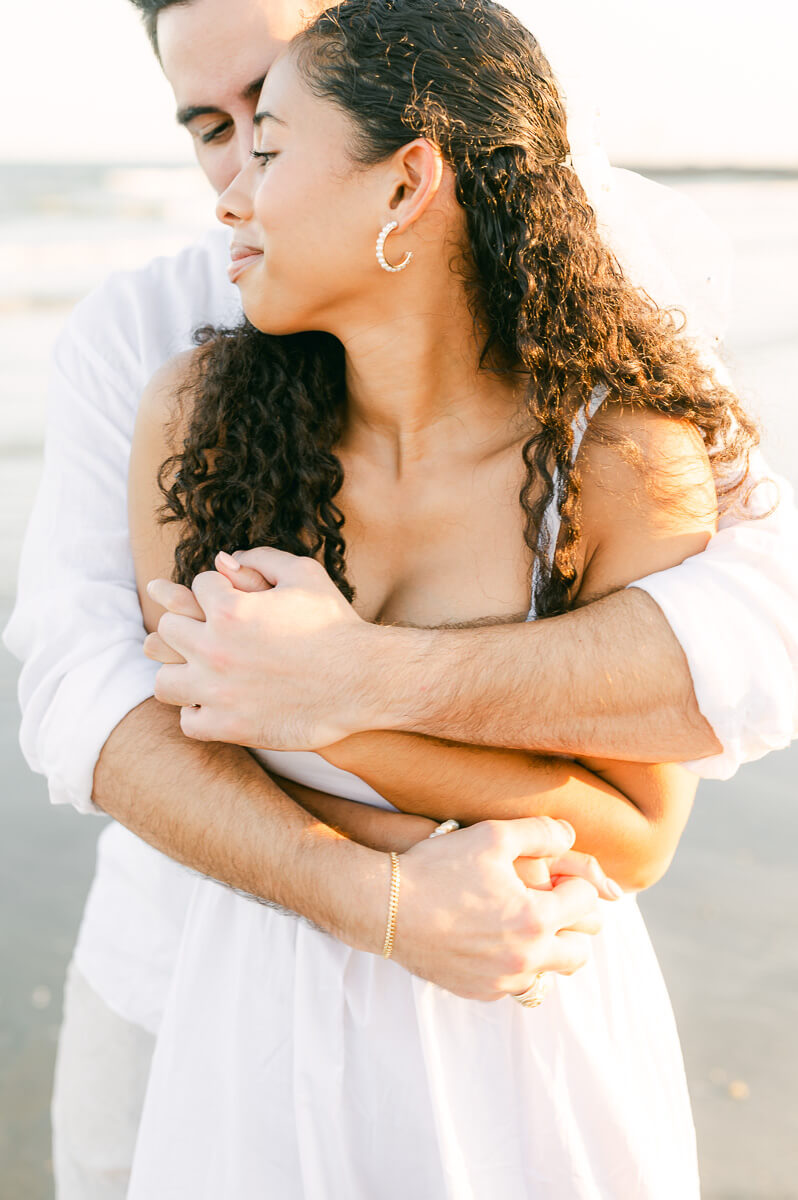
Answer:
(228, 561)
(569, 829)
(148, 588)
(614, 889)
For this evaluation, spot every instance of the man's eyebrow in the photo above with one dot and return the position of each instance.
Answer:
(186, 115)
(265, 115)
(253, 89)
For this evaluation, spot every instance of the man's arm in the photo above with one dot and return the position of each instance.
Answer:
(697, 663)
(611, 680)
(76, 624)
(607, 681)
(214, 809)
(475, 930)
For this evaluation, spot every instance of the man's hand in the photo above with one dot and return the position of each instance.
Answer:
(267, 662)
(462, 892)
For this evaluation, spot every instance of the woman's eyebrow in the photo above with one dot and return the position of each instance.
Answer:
(265, 115)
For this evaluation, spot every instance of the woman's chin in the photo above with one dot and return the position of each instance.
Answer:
(273, 323)
(269, 309)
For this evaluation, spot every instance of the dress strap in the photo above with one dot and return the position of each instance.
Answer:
(585, 416)
(551, 517)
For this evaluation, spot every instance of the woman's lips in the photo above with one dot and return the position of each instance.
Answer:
(242, 257)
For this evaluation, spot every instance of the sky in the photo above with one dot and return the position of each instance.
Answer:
(689, 82)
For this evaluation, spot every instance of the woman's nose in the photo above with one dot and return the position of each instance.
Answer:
(235, 202)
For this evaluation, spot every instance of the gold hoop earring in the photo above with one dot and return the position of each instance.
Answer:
(386, 266)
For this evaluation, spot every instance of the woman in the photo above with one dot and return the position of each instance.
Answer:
(416, 400)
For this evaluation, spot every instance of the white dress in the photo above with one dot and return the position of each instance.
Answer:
(290, 1067)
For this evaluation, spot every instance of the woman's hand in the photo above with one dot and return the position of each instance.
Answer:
(546, 873)
(181, 600)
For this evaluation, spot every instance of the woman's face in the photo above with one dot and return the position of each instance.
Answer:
(305, 221)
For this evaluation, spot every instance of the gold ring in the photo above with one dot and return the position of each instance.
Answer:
(535, 993)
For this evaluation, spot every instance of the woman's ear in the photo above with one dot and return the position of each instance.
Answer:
(417, 175)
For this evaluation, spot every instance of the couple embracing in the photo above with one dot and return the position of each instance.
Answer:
(382, 532)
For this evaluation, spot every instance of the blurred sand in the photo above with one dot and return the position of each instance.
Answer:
(723, 921)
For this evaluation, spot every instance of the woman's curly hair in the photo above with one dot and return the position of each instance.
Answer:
(549, 300)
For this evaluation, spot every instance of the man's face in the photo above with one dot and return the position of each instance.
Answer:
(215, 54)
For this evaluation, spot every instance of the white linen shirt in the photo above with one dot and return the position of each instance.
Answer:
(77, 623)
(78, 628)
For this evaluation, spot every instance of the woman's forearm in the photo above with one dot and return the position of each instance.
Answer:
(418, 774)
(377, 828)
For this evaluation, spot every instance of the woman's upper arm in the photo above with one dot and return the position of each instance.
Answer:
(647, 503)
(647, 499)
(157, 435)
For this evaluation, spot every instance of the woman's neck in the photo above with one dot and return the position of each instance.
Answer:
(416, 395)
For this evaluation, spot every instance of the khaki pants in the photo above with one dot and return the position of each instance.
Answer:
(101, 1072)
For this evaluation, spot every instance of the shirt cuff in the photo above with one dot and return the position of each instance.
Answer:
(66, 741)
(742, 675)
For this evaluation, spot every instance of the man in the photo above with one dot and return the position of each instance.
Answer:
(91, 725)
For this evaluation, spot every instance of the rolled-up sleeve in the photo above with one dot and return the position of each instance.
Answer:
(734, 609)
(77, 623)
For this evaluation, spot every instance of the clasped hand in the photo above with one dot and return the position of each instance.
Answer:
(263, 652)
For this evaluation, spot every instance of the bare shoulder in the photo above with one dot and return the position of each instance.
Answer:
(647, 498)
(160, 430)
(166, 400)
(644, 455)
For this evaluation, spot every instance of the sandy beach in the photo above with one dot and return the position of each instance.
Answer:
(724, 921)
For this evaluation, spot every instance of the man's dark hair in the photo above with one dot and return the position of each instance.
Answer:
(149, 10)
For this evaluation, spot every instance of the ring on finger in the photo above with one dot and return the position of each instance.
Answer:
(535, 993)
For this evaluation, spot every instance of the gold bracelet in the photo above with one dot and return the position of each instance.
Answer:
(393, 907)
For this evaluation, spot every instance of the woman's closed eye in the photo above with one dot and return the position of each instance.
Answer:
(264, 156)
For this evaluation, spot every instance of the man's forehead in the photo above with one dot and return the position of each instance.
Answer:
(216, 52)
